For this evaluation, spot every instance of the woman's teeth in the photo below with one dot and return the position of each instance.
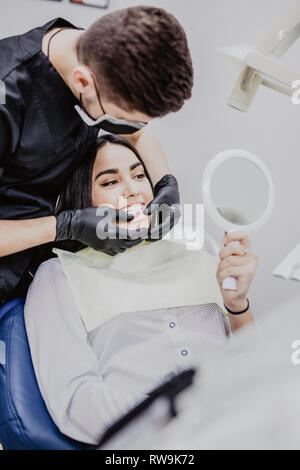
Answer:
(135, 209)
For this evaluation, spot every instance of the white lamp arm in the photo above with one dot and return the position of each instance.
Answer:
(261, 65)
(271, 68)
(280, 38)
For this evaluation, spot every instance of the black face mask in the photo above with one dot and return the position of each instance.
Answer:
(108, 123)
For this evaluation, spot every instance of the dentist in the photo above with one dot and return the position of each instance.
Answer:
(62, 85)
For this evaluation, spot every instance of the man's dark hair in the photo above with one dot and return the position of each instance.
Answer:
(141, 58)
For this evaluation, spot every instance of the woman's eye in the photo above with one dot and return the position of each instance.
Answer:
(109, 183)
(140, 176)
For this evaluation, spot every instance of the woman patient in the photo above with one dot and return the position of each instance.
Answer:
(88, 380)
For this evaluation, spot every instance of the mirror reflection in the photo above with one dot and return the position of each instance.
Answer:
(246, 195)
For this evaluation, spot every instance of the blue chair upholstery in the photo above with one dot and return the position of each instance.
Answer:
(25, 423)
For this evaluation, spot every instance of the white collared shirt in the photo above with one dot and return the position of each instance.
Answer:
(88, 380)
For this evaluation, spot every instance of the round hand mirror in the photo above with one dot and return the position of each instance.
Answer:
(248, 199)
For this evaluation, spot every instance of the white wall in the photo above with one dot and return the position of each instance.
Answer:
(206, 125)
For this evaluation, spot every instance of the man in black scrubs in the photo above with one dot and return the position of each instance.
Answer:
(62, 84)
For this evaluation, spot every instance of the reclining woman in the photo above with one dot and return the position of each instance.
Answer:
(88, 379)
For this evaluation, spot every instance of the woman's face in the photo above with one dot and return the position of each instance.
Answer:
(119, 181)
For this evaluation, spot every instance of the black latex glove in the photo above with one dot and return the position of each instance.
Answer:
(98, 230)
(166, 193)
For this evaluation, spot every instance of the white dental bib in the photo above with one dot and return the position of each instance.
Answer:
(149, 276)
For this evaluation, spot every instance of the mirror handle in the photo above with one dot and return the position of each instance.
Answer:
(230, 283)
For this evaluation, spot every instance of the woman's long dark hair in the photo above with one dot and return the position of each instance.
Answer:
(77, 193)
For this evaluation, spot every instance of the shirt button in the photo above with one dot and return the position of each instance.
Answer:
(171, 324)
(184, 352)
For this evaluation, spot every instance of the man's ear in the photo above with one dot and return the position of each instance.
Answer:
(82, 78)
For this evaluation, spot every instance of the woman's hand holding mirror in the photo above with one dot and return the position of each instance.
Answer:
(237, 261)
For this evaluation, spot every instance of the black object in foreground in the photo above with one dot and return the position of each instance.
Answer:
(169, 390)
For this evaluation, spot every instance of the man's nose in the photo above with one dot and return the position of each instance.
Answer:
(129, 189)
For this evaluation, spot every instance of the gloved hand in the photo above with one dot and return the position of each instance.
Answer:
(166, 193)
(96, 227)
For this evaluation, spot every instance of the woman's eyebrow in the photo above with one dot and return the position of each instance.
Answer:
(104, 172)
(132, 167)
(116, 170)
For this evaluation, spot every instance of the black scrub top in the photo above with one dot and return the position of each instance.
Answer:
(42, 139)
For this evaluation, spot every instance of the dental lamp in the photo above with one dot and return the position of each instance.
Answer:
(262, 66)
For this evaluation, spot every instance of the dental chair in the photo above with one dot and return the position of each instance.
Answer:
(25, 423)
